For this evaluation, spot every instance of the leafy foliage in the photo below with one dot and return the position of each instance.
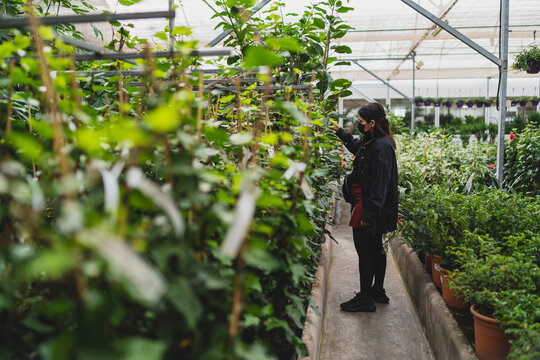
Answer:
(115, 197)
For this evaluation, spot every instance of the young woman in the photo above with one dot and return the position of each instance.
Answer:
(374, 180)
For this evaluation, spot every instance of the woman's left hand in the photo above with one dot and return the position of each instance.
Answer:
(333, 126)
(363, 223)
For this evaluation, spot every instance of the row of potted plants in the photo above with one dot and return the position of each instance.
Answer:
(472, 102)
(483, 248)
(482, 242)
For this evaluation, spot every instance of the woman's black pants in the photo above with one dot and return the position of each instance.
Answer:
(371, 259)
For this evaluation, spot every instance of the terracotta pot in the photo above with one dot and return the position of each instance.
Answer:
(490, 342)
(451, 297)
(435, 270)
(428, 262)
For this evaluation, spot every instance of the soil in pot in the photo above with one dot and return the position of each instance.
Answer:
(490, 342)
(435, 270)
(451, 297)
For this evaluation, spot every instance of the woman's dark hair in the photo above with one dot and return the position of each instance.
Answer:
(375, 111)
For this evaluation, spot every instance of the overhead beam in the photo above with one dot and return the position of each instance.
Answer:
(18, 22)
(226, 33)
(458, 35)
(226, 51)
(425, 36)
(382, 80)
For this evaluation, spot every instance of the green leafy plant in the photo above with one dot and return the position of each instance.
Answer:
(528, 59)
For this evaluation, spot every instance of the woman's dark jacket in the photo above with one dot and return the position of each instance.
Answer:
(375, 168)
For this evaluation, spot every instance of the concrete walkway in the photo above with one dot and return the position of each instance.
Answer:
(392, 332)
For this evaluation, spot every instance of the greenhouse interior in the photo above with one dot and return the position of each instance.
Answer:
(265, 179)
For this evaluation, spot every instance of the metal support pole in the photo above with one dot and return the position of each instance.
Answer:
(486, 109)
(503, 86)
(17, 22)
(340, 111)
(538, 106)
(454, 32)
(171, 26)
(388, 95)
(380, 79)
(437, 110)
(413, 105)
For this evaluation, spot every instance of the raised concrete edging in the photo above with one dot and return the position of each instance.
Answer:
(313, 326)
(442, 331)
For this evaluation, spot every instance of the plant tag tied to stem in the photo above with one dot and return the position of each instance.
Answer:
(294, 168)
(111, 187)
(245, 209)
(306, 189)
(144, 278)
(136, 179)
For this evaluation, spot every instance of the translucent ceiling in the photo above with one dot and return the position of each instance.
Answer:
(387, 28)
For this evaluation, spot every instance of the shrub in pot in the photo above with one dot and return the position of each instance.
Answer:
(535, 100)
(459, 103)
(520, 318)
(483, 281)
(428, 101)
(418, 100)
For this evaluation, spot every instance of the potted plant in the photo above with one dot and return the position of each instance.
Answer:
(513, 102)
(488, 102)
(448, 102)
(482, 281)
(535, 100)
(528, 60)
(428, 101)
(459, 103)
(437, 102)
(480, 102)
(418, 100)
(470, 103)
(522, 100)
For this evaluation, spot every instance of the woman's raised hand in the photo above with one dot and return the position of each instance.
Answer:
(333, 126)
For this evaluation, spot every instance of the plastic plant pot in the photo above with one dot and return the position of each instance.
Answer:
(427, 103)
(479, 104)
(523, 103)
(459, 104)
(534, 103)
(448, 104)
(487, 105)
(437, 103)
(418, 103)
(533, 68)
(513, 103)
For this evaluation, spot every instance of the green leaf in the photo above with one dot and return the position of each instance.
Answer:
(162, 35)
(344, 9)
(27, 145)
(260, 258)
(258, 56)
(52, 264)
(288, 43)
(138, 348)
(128, 2)
(184, 299)
(319, 23)
(250, 320)
(343, 49)
(164, 119)
(181, 31)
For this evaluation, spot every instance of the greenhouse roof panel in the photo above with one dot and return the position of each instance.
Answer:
(386, 28)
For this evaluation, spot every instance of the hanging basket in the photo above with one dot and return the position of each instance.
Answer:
(418, 103)
(427, 103)
(470, 104)
(459, 104)
(487, 104)
(479, 104)
(534, 103)
(437, 103)
(523, 103)
(513, 103)
(448, 104)
(533, 68)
